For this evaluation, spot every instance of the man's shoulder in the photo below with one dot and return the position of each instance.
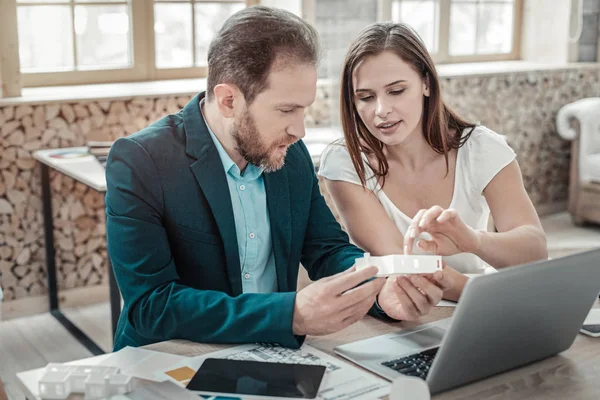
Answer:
(162, 142)
(298, 157)
(159, 132)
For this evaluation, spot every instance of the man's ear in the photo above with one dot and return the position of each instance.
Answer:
(426, 85)
(227, 96)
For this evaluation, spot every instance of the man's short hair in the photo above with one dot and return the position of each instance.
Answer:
(244, 50)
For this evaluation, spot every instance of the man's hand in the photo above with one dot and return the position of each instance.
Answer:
(407, 298)
(333, 303)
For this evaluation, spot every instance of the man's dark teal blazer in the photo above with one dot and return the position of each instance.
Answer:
(173, 246)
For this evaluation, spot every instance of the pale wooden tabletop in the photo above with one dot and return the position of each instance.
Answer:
(573, 375)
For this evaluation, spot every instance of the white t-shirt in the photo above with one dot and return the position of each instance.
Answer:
(483, 155)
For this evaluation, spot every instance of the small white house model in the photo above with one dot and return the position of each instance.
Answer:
(121, 384)
(96, 382)
(399, 264)
(55, 384)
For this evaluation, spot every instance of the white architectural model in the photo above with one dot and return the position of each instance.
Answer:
(401, 264)
(97, 382)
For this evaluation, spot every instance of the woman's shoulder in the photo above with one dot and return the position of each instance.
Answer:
(480, 135)
(336, 163)
(485, 153)
(336, 152)
(479, 140)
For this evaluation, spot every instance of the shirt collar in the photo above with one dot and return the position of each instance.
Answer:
(251, 172)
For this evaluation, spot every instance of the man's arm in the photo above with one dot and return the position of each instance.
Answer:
(327, 249)
(160, 308)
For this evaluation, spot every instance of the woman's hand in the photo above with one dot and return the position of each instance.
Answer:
(454, 282)
(450, 235)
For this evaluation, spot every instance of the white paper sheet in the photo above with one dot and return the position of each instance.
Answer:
(141, 363)
(342, 381)
(446, 303)
(593, 318)
(158, 391)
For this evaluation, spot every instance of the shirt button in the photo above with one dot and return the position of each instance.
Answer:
(252, 235)
(242, 187)
(247, 276)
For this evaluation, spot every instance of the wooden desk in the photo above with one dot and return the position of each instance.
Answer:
(573, 375)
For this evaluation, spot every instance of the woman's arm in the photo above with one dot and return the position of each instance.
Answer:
(520, 238)
(370, 227)
(366, 222)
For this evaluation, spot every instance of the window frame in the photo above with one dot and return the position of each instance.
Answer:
(144, 69)
(384, 13)
(143, 66)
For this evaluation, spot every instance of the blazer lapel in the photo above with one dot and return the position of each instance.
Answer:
(209, 173)
(278, 204)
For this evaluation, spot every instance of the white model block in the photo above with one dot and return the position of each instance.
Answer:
(120, 384)
(79, 375)
(97, 386)
(97, 382)
(53, 367)
(55, 384)
(398, 264)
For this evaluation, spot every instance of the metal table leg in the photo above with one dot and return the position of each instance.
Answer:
(51, 268)
(49, 239)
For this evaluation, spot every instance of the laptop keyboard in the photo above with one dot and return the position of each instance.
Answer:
(413, 365)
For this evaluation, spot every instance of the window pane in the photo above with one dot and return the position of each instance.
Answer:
(209, 19)
(45, 37)
(338, 23)
(173, 35)
(102, 36)
(462, 29)
(421, 16)
(495, 28)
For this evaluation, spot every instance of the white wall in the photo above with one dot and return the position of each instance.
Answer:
(546, 29)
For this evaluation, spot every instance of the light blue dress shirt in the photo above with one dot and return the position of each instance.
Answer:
(252, 224)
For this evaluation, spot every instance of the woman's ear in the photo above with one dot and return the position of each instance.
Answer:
(426, 85)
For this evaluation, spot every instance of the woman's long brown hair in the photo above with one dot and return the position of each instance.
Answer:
(442, 127)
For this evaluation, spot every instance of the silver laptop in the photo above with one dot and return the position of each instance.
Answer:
(504, 320)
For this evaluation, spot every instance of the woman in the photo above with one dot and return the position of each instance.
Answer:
(409, 168)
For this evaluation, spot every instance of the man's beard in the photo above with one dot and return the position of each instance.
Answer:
(252, 148)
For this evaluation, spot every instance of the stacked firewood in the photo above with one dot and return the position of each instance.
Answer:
(79, 229)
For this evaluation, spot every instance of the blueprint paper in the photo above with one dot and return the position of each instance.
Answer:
(342, 381)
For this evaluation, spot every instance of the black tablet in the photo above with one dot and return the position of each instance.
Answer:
(256, 378)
